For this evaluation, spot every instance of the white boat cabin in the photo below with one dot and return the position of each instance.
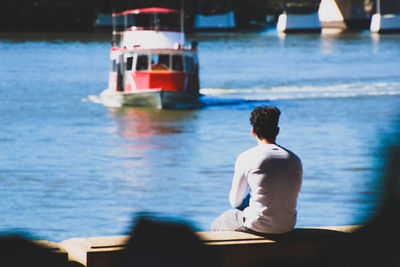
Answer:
(150, 28)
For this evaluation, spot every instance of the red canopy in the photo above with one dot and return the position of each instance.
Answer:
(147, 10)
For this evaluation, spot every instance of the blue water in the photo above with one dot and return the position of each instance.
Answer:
(70, 167)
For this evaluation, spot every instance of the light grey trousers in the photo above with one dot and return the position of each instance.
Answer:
(230, 220)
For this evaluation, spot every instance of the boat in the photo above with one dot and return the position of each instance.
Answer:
(298, 19)
(150, 63)
(387, 17)
(216, 16)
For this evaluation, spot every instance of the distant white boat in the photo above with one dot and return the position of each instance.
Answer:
(298, 18)
(215, 22)
(381, 23)
(298, 23)
(385, 23)
(214, 16)
(105, 21)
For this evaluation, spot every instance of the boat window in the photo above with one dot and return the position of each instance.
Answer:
(189, 64)
(177, 63)
(129, 62)
(160, 62)
(142, 62)
(113, 65)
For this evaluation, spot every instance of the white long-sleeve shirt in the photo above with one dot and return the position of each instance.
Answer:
(274, 175)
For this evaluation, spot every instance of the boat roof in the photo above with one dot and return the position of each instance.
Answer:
(147, 10)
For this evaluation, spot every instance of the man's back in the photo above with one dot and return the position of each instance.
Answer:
(274, 176)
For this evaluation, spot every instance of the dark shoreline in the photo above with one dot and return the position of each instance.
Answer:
(81, 16)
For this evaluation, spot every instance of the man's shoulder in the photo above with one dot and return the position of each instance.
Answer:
(249, 151)
(245, 155)
(291, 153)
(293, 158)
(269, 150)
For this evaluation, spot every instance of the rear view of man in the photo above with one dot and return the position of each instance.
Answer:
(270, 175)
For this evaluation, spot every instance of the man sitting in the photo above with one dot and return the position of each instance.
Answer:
(270, 176)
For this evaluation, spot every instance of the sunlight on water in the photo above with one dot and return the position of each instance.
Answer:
(295, 92)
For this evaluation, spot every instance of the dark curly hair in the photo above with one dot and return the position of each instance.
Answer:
(265, 121)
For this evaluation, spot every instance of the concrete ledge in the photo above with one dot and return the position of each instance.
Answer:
(233, 248)
(94, 251)
(241, 249)
(53, 247)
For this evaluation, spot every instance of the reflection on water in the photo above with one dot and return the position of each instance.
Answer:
(140, 130)
(138, 123)
(375, 42)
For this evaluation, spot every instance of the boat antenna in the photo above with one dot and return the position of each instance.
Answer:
(378, 6)
(182, 22)
(114, 28)
(285, 6)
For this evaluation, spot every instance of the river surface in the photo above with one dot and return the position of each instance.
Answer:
(70, 167)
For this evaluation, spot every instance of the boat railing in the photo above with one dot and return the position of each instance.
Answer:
(155, 19)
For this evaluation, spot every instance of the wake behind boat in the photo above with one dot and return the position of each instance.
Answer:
(150, 64)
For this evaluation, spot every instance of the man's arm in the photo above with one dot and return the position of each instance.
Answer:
(239, 184)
